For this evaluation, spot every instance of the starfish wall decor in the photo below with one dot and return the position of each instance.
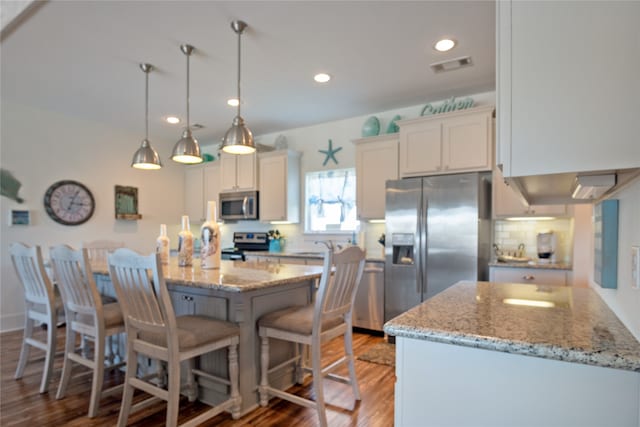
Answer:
(330, 153)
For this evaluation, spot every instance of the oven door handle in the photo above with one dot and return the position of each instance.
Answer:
(244, 206)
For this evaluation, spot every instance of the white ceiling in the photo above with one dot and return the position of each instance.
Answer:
(81, 58)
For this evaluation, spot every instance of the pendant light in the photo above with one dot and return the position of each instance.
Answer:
(146, 157)
(238, 139)
(187, 149)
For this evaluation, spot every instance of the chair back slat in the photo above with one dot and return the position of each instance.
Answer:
(340, 278)
(141, 291)
(29, 266)
(98, 250)
(75, 279)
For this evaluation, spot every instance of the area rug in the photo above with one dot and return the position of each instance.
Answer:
(382, 353)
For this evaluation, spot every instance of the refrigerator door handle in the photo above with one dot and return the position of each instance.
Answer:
(418, 253)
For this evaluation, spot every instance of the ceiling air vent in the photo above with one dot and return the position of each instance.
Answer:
(451, 64)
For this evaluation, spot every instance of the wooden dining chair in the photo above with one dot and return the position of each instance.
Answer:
(98, 250)
(88, 317)
(313, 325)
(41, 305)
(154, 331)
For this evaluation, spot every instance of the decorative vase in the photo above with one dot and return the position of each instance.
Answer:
(210, 251)
(275, 246)
(185, 244)
(162, 244)
(371, 127)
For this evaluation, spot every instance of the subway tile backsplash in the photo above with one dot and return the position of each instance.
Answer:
(509, 234)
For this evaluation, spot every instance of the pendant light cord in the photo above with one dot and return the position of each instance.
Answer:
(188, 126)
(146, 106)
(239, 55)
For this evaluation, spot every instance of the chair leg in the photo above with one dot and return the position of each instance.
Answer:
(50, 353)
(26, 348)
(98, 376)
(67, 367)
(299, 354)
(348, 349)
(318, 384)
(127, 393)
(233, 379)
(192, 386)
(264, 371)
(173, 401)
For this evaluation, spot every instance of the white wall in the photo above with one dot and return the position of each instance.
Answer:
(624, 300)
(40, 148)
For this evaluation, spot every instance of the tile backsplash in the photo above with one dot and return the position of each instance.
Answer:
(509, 234)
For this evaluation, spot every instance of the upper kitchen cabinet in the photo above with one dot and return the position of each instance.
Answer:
(460, 141)
(202, 183)
(238, 172)
(508, 203)
(567, 86)
(279, 186)
(376, 162)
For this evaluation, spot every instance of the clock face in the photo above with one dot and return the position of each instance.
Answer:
(69, 202)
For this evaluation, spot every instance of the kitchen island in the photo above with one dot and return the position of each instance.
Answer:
(498, 354)
(238, 292)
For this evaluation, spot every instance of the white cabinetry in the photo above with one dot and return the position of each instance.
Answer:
(279, 186)
(238, 172)
(376, 163)
(567, 98)
(460, 141)
(202, 183)
(537, 276)
(507, 203)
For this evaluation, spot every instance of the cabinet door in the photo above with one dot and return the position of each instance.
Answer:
(466, 143)
(194, 193)
(554, 129)
(421, 149)
(246, 172)
(536, 276)
(376, 163)
(212, 185)
(273, 188)
(227, 172)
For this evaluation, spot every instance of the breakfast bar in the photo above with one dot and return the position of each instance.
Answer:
(502, 354)
(238, 292)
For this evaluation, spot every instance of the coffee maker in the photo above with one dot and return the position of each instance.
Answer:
(546, 242)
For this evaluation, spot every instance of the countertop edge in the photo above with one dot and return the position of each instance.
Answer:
(538, 266)
(604, 360)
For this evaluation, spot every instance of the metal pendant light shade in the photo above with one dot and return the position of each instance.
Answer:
(238, 139)
(146, 157)
(187, 149)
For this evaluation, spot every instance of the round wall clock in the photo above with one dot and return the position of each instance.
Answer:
(69, 202)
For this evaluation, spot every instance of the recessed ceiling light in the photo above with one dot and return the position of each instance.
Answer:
(172, 120)
(444, 45)
(233, 102)
(322, 77)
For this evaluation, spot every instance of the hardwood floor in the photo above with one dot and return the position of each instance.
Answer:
(22, 405)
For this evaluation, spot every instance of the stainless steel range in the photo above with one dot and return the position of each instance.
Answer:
(246, 242)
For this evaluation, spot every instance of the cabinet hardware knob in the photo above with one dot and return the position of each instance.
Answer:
(528, 277)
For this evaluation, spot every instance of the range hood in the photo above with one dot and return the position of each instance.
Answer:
(588, 187)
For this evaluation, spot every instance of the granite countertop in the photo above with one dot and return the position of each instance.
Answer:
(532, 264)
(234, 276)
(303, 255)
(577, 327)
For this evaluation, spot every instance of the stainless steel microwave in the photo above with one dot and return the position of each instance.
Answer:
(239, 205)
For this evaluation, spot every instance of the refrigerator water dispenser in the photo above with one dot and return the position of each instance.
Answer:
(402, 244)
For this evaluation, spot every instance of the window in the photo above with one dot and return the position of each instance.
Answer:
(330, 203)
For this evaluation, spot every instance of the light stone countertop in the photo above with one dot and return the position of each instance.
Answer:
(532, 264)
(234, 276)
(578, 328)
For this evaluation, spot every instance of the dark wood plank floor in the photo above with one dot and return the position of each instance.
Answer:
(22, 405)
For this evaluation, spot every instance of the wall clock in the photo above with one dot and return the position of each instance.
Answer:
(69, 202)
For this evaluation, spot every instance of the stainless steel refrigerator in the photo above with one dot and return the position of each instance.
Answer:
(438, 232)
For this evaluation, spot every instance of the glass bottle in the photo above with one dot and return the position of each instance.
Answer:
(185, 244)
(162, 244)
(210, 251)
